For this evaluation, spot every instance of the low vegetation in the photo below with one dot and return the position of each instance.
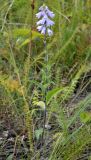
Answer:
(45, 81)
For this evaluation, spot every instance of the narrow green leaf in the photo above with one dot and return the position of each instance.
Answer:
(52, 93)
(25, 42)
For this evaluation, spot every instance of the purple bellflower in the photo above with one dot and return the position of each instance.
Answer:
(44, 23)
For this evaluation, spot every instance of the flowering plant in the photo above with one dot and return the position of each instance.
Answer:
(44, 24)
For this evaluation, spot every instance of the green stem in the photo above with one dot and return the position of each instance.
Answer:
(46, 70)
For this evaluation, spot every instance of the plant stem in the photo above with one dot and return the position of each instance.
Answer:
(46, 70)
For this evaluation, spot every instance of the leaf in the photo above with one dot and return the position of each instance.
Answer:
(41, 104)
(10, 157)
(23, 36)
(38, 133)
(52, 93)
(21, 32)
(25, 42)
(85, 117)
(36, 34)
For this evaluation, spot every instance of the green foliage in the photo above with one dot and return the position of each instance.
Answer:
(52, 93)
(38, 133)
(85, 117)
(29, 85)
(10, 157)
(70, 146)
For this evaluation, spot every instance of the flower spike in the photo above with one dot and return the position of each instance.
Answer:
(44, 23)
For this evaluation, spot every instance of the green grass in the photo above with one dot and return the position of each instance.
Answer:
(24, 80)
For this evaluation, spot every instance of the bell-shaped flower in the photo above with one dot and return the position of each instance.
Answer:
(49, 22)
(50, 14)
(50, 32)
(43, 31)
(39, 28)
